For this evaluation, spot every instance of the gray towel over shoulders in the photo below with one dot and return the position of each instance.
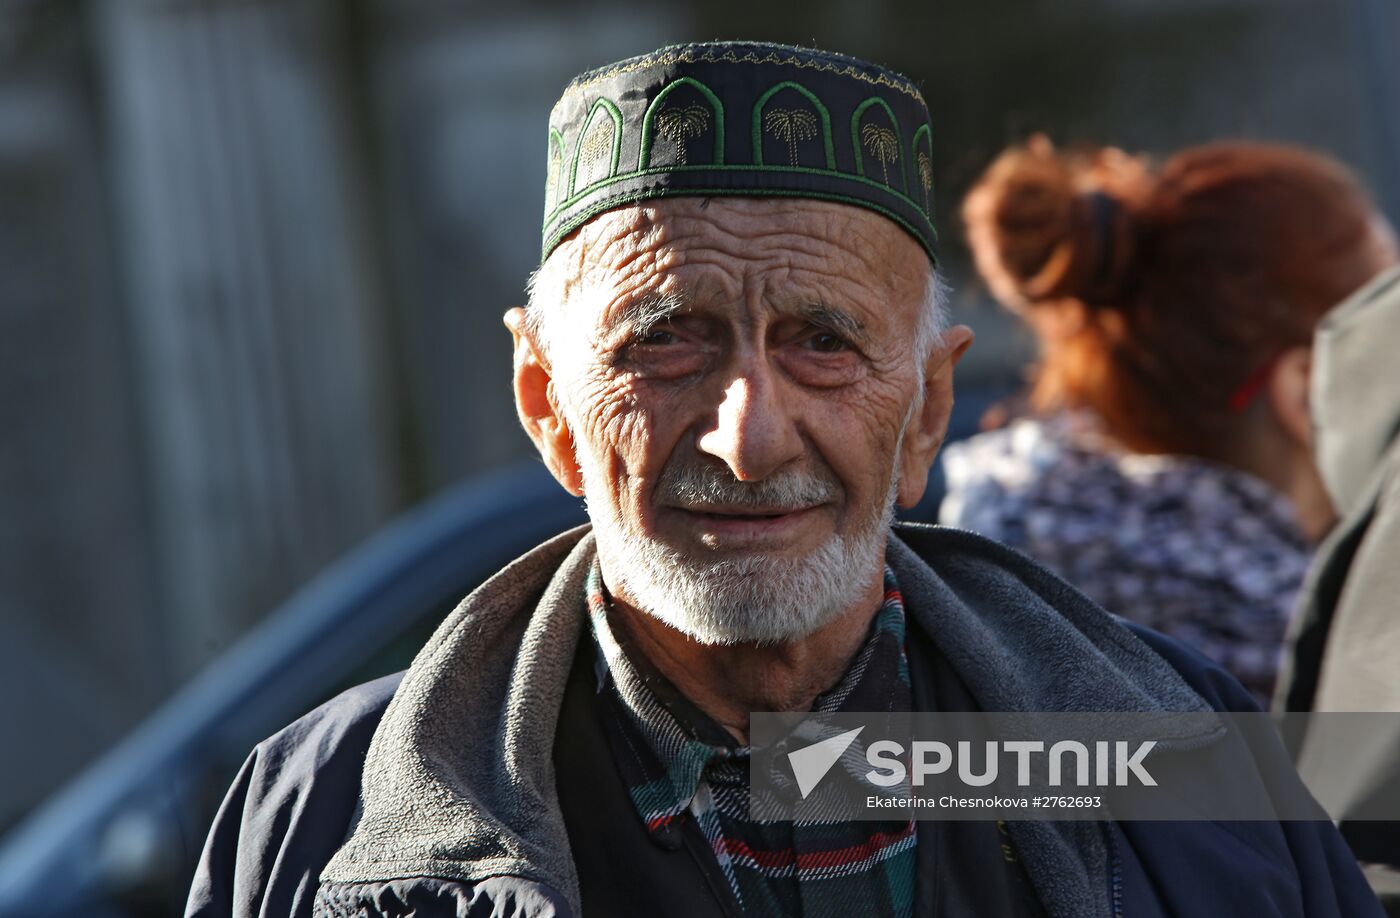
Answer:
(458, 781)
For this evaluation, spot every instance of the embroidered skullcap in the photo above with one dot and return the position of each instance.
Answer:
(740, 118)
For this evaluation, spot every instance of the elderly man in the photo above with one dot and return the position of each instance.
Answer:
(733, 351)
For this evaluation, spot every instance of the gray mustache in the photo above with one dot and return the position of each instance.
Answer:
(687, 485)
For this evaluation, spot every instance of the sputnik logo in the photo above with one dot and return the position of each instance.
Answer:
(811, 763)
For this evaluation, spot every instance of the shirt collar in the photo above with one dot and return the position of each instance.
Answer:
(665, 745)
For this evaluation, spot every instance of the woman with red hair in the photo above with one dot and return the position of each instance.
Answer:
(1164, 466)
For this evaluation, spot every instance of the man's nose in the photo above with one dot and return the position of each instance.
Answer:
(754, 432)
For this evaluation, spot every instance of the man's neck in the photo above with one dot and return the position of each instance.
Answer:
(730, 680)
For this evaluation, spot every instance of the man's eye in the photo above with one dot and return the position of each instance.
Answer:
(657, 337)
(827, 343)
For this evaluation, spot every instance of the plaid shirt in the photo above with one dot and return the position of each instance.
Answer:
(679, 765)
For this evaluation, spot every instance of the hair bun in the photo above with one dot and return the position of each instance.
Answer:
(1046, 226)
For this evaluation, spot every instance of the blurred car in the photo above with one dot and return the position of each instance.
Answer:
(123, 838)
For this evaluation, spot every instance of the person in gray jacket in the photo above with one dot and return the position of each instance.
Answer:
(1344, 643)
(734, 351)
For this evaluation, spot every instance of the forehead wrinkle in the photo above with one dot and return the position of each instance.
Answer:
(679, 237)
(860, 275)
(627, 249)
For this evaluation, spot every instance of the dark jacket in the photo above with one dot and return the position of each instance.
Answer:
(438, 794)
(1343, 642)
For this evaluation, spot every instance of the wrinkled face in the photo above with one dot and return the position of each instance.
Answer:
(738, 378)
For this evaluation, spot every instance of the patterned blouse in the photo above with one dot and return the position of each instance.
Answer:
(1196, 550)
(679, 764)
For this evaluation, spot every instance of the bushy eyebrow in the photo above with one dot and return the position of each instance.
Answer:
(835, 319)
(648, 311)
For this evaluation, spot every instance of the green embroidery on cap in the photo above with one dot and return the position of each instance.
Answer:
(680, 122)
(761, 124)
(594, 143)
(882, 142)
(923, 161)
(583, 216)
(730, 167)
(555, 164)
(682, 144)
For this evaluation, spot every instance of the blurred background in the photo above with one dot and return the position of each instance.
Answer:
(254, 254)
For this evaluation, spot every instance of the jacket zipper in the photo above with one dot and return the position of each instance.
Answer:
(1115, 870)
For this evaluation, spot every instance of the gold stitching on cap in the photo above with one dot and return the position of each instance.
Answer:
(681, 124)
(709, 56)
(791, 125)
(554, 166)
(597, 144)
(882, 144)
(925, 172)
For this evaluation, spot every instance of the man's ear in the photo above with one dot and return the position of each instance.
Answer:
(538, 407)
(1287, 392)
(929, 425)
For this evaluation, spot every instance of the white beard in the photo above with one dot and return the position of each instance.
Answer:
(753, 598)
